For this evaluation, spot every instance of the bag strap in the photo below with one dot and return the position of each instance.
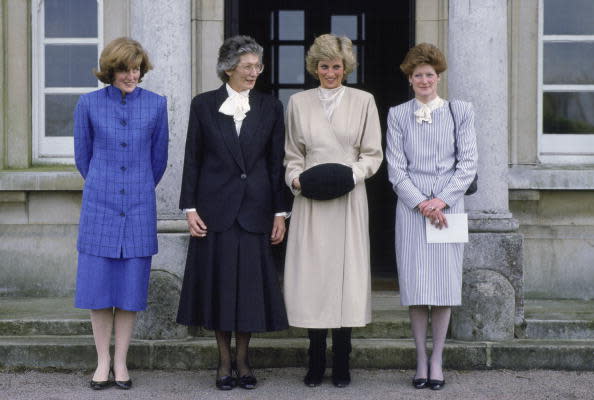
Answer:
(455, 129)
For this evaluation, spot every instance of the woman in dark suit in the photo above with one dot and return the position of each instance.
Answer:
(120, 148)
(235, 201)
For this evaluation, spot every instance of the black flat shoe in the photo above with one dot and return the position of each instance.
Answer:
(124, 385)
(100, 385)
(434, 384)
(420, 383)
(226, 382)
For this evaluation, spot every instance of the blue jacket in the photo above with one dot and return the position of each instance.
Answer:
(230, 178)
(120, 148)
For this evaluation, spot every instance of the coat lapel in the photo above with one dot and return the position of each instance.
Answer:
(227, 128)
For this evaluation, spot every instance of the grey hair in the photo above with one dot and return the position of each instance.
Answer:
(233, 48)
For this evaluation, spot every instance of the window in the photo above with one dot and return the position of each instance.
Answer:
(566, 78)
(66, 41)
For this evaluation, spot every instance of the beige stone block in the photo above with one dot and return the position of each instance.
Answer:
(427, 10)
(116, 14)
(209, 37)
(210, 10)
(54, 208)
(18, 79)
(427, 31)
(13, 213)
(13, 197)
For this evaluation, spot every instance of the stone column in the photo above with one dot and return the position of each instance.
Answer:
(478, 72)
(164, 29)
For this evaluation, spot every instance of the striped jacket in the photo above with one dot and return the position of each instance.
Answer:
(422, 158)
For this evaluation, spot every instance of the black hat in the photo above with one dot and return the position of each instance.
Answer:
(326, 181)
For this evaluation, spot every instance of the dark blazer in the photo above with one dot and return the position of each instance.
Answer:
(228, 177)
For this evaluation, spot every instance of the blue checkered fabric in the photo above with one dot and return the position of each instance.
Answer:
(120, 148)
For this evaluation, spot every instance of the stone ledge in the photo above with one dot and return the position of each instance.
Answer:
(551, 177)
(38, 180)
(76, 353)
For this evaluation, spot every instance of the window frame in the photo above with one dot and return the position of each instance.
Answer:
(53, 150)
(560, 148)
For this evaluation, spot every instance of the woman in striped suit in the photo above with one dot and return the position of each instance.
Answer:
(431, 163)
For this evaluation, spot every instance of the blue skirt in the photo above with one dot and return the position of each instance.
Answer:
(103, 282)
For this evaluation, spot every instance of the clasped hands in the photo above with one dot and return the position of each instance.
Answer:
(198, 227)
(432, 209)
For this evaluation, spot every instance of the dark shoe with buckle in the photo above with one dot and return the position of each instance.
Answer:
(100, 385)
(420, 383)
(435, 384)
(248, 381)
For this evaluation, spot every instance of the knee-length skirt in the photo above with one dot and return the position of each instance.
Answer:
(103, 282)
(428, 273)
(230, 283)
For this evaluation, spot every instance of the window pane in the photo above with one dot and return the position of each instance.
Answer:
(59, 112)
(568, 112)
(352, 78)
(291, 64)
(70, 18)
(568, 63)
(344, 25)
(562, 17)
(70, 65)
(290, 25)
(284, 94)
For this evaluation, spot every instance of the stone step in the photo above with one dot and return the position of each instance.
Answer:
(78, 353)
(57, 316)
(545, 319)
(566, 319)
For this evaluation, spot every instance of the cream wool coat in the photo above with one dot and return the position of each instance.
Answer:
(327, 281)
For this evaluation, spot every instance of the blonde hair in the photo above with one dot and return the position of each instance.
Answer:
(122, 54)
(423, 53)
(329, 47)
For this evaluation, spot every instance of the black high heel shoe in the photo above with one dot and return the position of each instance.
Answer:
(100, 385)
(124, 385)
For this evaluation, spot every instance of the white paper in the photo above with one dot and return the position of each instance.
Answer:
(456, 232)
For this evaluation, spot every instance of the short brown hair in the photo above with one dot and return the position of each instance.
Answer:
(423, 53)
(122, 54)
(329, 47)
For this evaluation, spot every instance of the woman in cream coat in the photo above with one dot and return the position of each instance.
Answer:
(327, 276)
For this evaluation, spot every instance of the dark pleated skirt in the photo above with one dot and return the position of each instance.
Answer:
(230, 284)
(103, 282)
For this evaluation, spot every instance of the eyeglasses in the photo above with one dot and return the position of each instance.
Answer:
(247, 68)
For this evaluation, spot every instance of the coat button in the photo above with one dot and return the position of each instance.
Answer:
(122, 191)
(243, 176)
(123, 168)
(122, 214)
(123, 144)
(123, 122)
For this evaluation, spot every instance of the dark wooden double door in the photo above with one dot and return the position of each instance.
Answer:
(381, 31)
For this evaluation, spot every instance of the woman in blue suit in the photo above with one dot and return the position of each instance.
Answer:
(235, 200)
(120, 148)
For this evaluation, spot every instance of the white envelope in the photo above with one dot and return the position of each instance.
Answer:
(456, 232)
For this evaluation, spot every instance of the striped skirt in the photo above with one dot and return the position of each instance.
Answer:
(428, 273)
